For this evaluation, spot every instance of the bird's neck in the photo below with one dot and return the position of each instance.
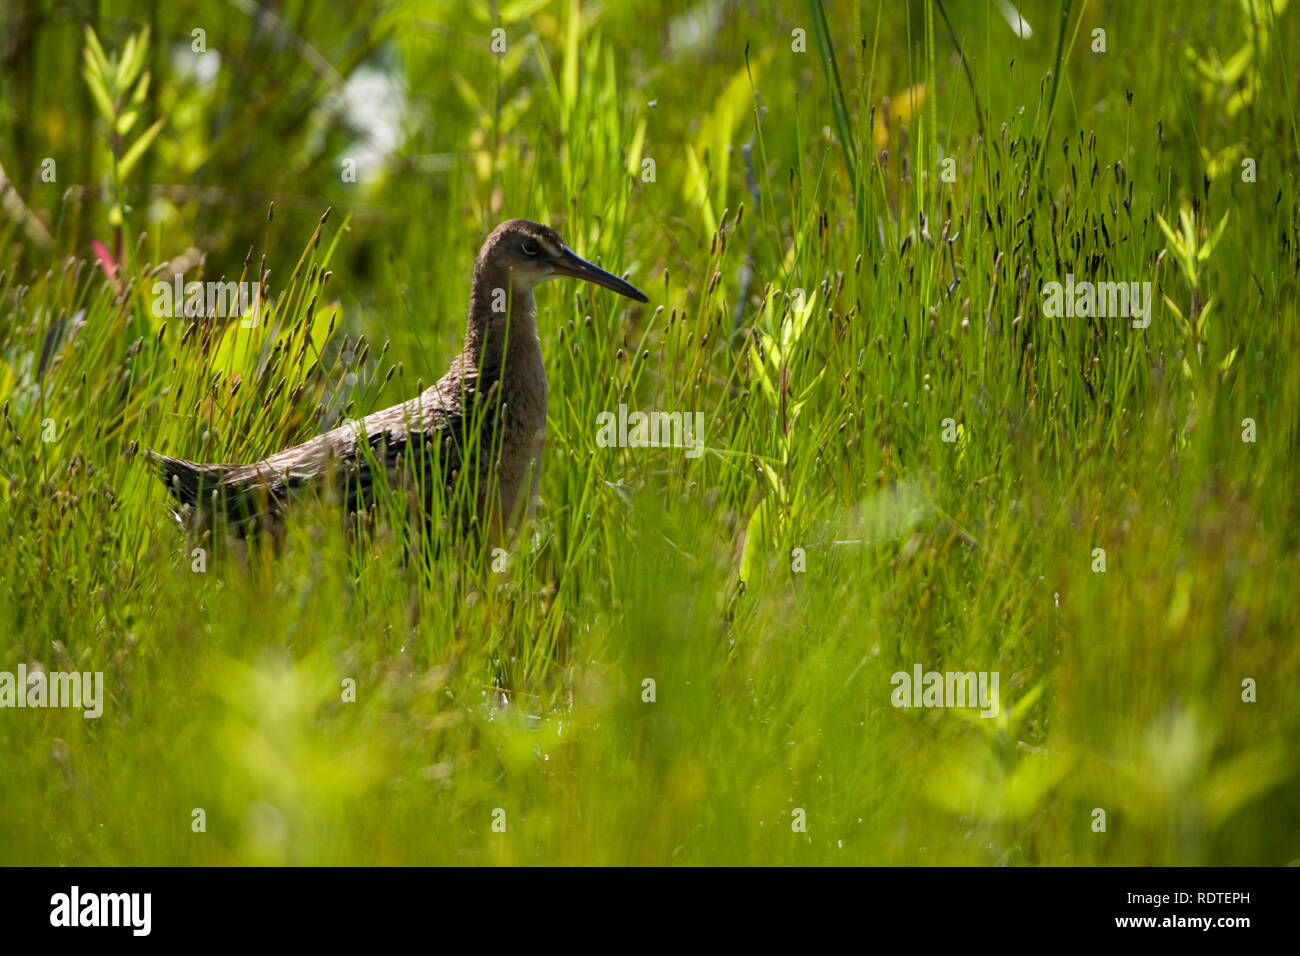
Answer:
(502, 322)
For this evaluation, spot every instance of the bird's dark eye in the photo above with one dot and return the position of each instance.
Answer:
(529, 247)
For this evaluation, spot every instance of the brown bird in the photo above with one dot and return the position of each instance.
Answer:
(474, 439)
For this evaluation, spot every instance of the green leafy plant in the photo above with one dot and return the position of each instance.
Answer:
(1240, 77)
(1191, 253)
(119, 85)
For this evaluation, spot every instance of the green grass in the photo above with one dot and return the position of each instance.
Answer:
(523, 690)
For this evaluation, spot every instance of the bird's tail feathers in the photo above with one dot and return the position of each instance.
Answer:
(189, 482)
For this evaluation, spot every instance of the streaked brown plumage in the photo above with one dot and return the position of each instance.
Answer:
(487, 414)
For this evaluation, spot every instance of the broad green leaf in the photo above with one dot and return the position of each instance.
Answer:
(95, 53)
(99, 93)
(1204, 252)
(518, 9)
(1205, 314)
(695, 189)
(126, 119)
(469, 95)
(142, 88)
(974, 783)
(773, 479)
(137, 149)
(1244, 779)
(124, 76)
(133, 58)
(1180, 250)
(755, 541)
(634, 149)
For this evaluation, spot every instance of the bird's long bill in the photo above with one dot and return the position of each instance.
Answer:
(572, 264)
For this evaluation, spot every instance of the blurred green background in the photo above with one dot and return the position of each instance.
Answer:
(911, 175)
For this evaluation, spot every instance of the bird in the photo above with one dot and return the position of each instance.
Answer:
(475, 437)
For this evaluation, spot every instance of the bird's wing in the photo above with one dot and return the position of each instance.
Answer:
(435, 433)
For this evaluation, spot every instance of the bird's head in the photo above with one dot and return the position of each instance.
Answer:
(529, 253)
